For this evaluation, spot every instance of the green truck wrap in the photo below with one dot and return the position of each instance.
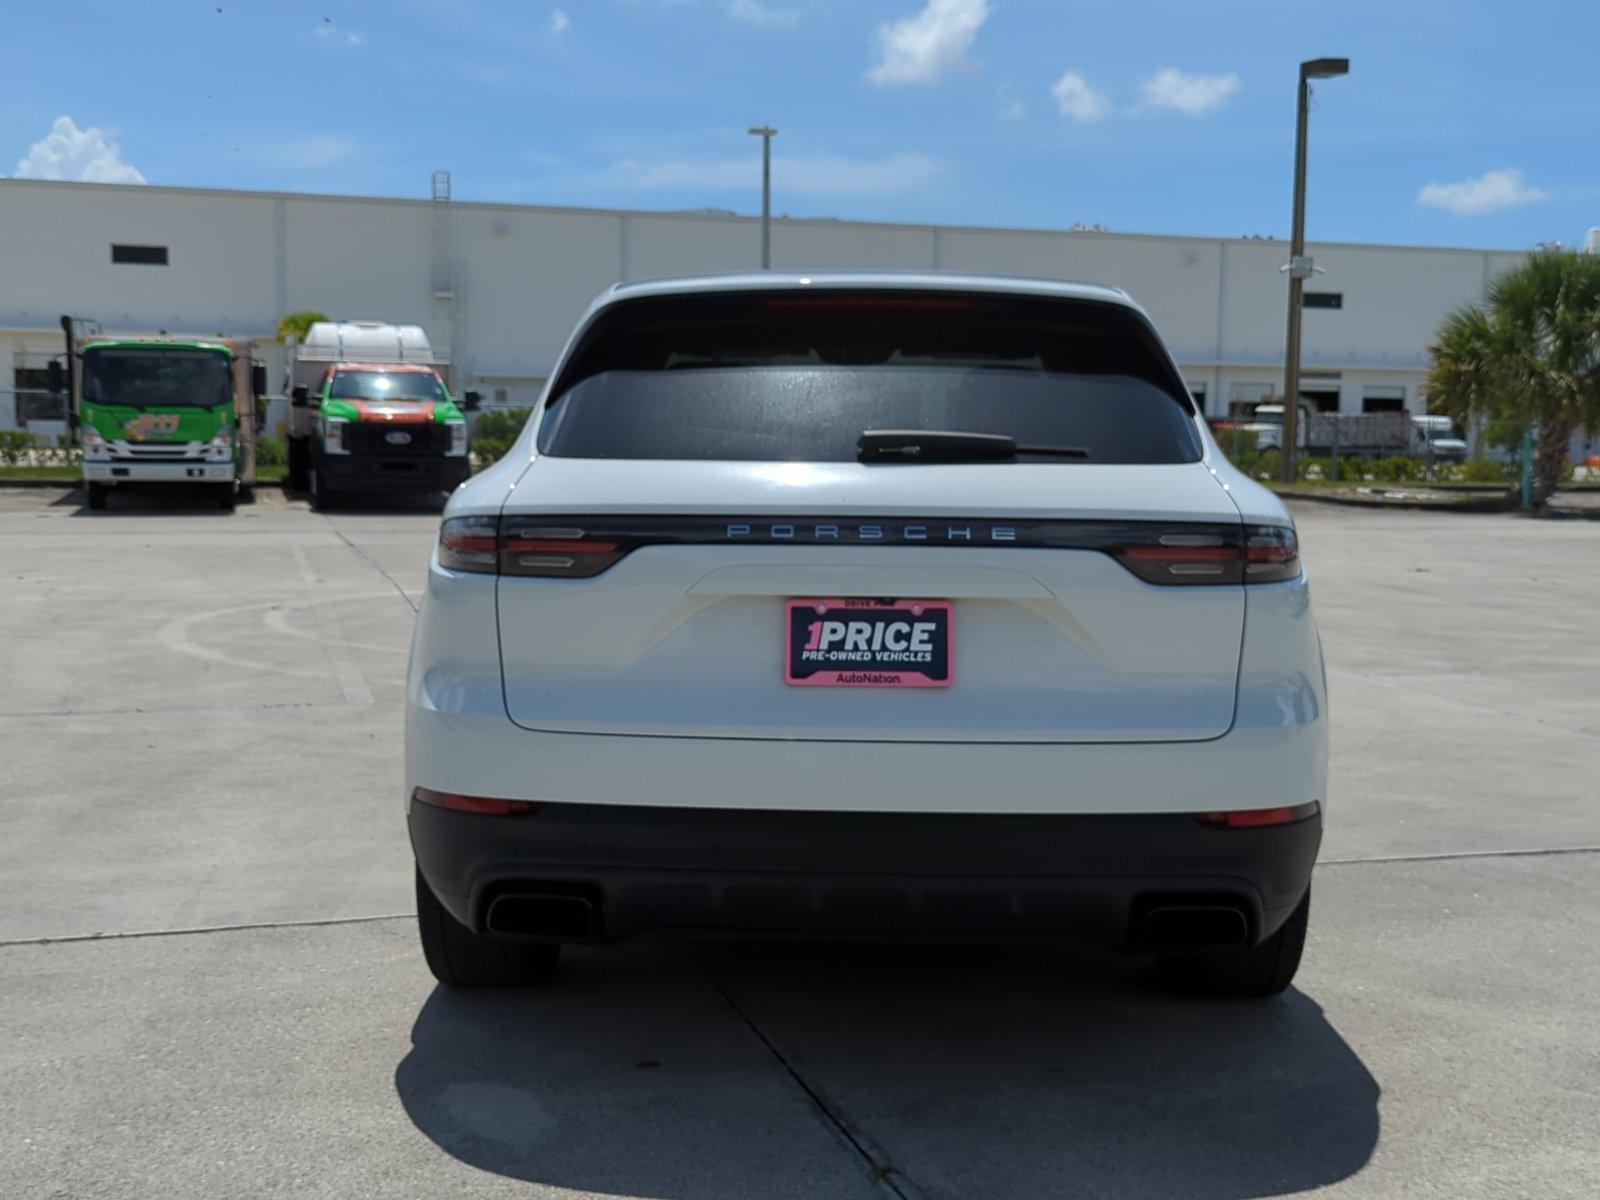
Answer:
(164, 411)
(370, 413)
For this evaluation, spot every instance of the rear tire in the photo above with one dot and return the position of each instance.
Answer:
(460, 958)
(1256, 972)
(94, 495)
(321, 496)
(299, 464)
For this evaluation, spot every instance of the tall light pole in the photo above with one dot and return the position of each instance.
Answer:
(1300, 266)
(766, 133)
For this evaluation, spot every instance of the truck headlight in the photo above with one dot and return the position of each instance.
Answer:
(333, 435)
(94, 446)
(221, 446)
(458, 438)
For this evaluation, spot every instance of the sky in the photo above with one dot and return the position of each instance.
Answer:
(1463, 123)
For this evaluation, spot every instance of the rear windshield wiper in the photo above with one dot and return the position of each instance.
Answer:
(950, 445)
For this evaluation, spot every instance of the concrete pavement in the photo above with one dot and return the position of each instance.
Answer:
(200, 722)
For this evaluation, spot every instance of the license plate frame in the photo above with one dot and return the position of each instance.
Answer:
(814, 648)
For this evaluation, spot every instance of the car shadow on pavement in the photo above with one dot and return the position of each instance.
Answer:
(1017, 1072)
(151, 500)
(364, 503)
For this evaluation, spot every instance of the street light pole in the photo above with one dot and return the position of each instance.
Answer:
(1300, 267)
(766, 133)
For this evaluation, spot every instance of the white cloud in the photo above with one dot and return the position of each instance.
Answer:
(67, 152)
(1490, 192)
(762, 15)
(1172, 90)
(559, 21)
(927, 45)
(1077, 100)
(806, 175)
(329, 34)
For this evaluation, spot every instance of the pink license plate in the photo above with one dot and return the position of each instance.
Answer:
(869, 643)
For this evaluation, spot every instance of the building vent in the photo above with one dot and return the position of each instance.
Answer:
(150, 256)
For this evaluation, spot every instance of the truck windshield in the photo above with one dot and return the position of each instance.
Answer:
(157, 378)
(385, 385)
(799, 376)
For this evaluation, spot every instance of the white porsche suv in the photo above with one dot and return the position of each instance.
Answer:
(874, 604)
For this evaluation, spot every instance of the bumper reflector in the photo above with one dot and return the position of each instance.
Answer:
(482, 805)
(1255, 818)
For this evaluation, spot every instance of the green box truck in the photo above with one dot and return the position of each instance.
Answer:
(167, 410)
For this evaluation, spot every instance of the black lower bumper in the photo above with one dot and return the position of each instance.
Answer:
(393, 472)
(641, 867)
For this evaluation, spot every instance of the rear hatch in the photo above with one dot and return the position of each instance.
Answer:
(651, 557)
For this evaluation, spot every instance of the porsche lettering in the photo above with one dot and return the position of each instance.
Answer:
(844, 532)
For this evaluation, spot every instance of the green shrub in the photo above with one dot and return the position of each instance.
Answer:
(1397, 468)
(14, 444)
(493, 433)
(1249, 463)
(1505, 434)
(271, 452)
(1237, 444)
(1484, 470)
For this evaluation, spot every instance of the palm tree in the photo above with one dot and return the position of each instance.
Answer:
(1530, 354)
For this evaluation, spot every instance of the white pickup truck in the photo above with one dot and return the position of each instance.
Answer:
(1365, 435)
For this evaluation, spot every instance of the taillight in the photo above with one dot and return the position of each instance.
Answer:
(1260, 554)
(487, 546)
(488, 806)
(1182, 558)
(561, 546)
(1256, 818)
(470, 544)
(1271, 554)
(555, 550)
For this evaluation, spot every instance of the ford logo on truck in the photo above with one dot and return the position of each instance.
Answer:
(397, 437)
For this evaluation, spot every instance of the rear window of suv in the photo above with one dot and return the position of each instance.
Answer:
(798, 376)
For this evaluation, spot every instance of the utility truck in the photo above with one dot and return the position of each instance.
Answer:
(369, 412)
(165, 410)
(1363, 435)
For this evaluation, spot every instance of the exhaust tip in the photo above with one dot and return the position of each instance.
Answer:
(570, 914)
(1195, 920)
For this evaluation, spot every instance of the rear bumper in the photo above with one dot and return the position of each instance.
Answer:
(460, 739)
(187, 471)
(393, 472)
(648, 867)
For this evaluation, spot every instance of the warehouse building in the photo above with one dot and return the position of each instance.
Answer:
(498, 286)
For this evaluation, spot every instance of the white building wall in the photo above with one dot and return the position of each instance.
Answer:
(55, 257)
(1175, 280)
(349, 259)
(241, 260)
(525, 278)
